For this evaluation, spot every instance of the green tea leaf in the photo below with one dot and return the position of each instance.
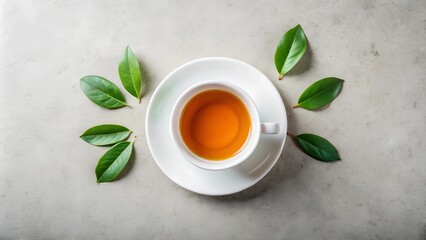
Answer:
(105, 134)
(320, 94)
(291, 48)
(317, 147)
(130, 73)
(102, 92)
(113, 161)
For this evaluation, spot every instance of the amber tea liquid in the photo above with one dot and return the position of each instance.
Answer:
(215, 124)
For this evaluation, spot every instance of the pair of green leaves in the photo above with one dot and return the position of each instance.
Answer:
(105, 93)
(112, 163)
(291, 48)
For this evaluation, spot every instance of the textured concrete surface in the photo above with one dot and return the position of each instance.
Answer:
(47, 182)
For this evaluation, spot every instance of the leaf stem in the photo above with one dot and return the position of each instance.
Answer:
(280, 76)
(296, 106)
(290, 134)
(133, 140)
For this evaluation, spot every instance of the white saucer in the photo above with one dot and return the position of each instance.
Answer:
(165, 152)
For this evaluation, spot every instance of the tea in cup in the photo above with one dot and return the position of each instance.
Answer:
(216, 125)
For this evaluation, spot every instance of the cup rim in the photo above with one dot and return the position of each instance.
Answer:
(249, 145)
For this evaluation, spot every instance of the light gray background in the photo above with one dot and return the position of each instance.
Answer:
(47, 181)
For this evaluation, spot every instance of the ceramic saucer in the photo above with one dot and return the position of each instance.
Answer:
(166, 153)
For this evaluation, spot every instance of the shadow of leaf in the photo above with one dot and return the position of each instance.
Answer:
(146, 77)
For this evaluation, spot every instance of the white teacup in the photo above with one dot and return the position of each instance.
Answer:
(251, 141)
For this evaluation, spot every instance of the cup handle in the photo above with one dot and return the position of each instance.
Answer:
(270, 128)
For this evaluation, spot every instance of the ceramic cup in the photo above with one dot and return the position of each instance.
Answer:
(251, 142)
